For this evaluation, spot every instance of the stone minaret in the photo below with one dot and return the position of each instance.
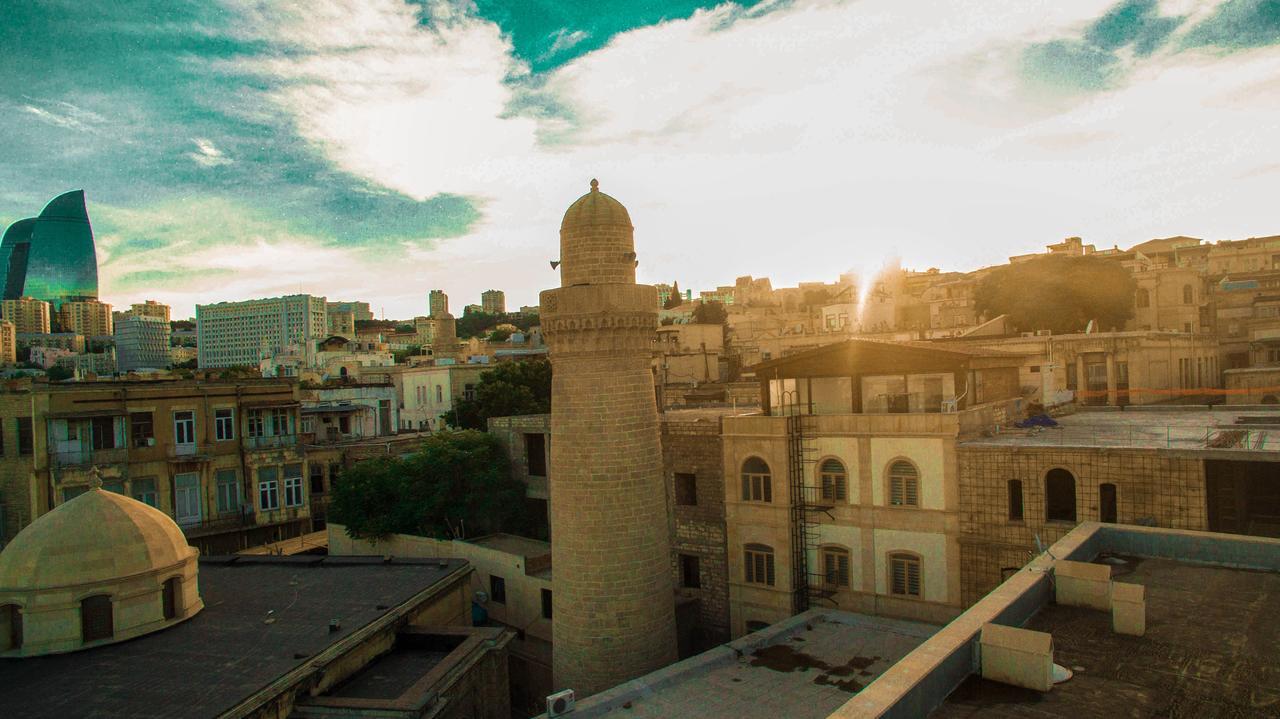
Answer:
(613, 613)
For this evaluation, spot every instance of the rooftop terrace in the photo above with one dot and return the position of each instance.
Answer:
(1151, 427)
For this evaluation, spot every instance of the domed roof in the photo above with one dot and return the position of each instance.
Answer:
(595, 208)
(96, 537)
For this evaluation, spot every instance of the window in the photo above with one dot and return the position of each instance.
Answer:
(95, 618)
(535, 454)
(1188, 295)
(1060, 496)
(835, 567)
(256, 425)
(103, 432)
(10, 627)
(317, 477)
(690, 572)
(686, 489)
(281, 422)
(546, 604)
(228, 491)
(184, 427)
(293, 485)
(335, 470)
(759, 564)
(144, 490)
(904, 484)
(469, 393)
(1143, 299)
(169, 597)
(833, 481)
(186, 498)
(904, 574)
(1107, 503)
(439, 394)
(1015, 500)
(757, 484)
(497, 589)
(224, 424)
(26, 438)
(268, 489)
(344, 424)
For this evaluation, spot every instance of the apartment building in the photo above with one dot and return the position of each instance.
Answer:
(494, 302)
(238, 334)
(8, 342)
(142, 342)
(150, 308)
(425, 393)
(89, 318)
(28, 314)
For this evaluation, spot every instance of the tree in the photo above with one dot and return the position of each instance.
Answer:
(508, 389)
(1058, 293)
(675, 299)
(58, 373)
(186, 364)
(710, 313)
(456, 484)
(500, 334)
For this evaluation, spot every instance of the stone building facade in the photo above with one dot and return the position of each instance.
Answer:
(20, 500)
(614, 610)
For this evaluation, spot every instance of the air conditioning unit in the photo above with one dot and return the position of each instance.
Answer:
(1044, 333)
(560, 703)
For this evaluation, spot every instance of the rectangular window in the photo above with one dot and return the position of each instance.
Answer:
(535, 452)
(268, 489)
(256, 426)
(690, 572)
(184, 427)
(904, 572)
(26, 436)
(103, 432)
(293, 485)
(335, 471)
(144, 490)
(469, 393)
(686, 489)
(281, 423)
(835, 567)
(497, 589)
(759, 566)
(1015, 500)
(224, 425)
(546, 604)
(186, 498)
(228, 491)
(317, 477)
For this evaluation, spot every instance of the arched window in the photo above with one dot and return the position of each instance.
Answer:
(1188, 295)
(1107, 503)
(342, 371)
(169, 597)
(1059, 496)
(904, 484)
(758, 567)
(904, 574)
(757, 481)
(1015, 500)
(1143, 298)
(96, 621)
(10, 627)
(835, 567)
(833, 481)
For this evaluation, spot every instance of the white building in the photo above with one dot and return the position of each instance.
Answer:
(142, 342)
(234, 334)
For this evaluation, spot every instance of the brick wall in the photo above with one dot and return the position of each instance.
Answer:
(15, 471)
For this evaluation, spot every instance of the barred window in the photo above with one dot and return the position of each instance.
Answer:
(757, 481)
(833, 481)
(904, 574)
(904, 484)
(759, 564)
(835, 567)
(96, 621)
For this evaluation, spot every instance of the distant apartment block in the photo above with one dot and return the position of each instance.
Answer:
(8, 343)
(150, 308)
(494, 302)
(359, 309)
(69, 341)
(90, 318)
(342, 323)
(27, 314)
(231, 334)
(142, 342)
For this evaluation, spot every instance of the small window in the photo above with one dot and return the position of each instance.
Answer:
(144, 490)
(293, 485)
(1188, 295)
(757, 482)
(224, 425)
(96, 621)
(10, 627)
(1060, 496)
(169, 597)
(1107, 503)
(268, 489)
(759, 564)
(904, 575)
(316, 471)
(439, 394)
(904, 484)
(228, 491)
(686, 489)
(1015, 500)
(26, 436)
(1143, 299)
(546, 604)
(833, 481)
(469, 394)
(690, 572)
(497, 589)
(257, 426)
(102, 432)
(835, 567)
(535, 453)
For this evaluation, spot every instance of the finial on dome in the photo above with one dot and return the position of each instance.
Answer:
(95, 477)
(595, 185)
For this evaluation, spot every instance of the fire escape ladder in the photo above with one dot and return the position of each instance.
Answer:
(804, 528)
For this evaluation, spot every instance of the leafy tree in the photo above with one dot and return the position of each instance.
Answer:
(480, 324)
(509, 388)
(402, 328)
(675, 299)
(1058, 293)
(710, 313)
(58, 373)
(500, 334)
(402, 356)
(457, 484)
(192, 363)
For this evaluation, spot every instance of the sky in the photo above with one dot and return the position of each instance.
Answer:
(377, 149)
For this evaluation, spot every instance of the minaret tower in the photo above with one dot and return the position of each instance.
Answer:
(613, 613)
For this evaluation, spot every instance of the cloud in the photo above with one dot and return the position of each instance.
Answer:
(65, 115)
(207, 155)
(1238, 24)
(564, 39)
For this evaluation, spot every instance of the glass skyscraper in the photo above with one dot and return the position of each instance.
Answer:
(51, 257)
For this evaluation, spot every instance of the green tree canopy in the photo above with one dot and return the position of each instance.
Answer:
(456, 484)
(1058, 293)
(509, 388)
(710, 313)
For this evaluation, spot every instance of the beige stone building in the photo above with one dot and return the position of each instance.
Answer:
(1252, 385)
(89, 318)
(28, 314)
(150, 308)
(494, 302)
(8, 342)
(690, 354)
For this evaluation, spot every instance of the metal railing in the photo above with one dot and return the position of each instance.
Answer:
(88, 458)
(273, 441)
(1157, 436)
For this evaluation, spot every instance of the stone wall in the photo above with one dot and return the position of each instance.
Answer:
(16, 501)
(693, 446)
(1153, 486)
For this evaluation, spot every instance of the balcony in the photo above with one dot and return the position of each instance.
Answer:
(85, 458)
(274, 441)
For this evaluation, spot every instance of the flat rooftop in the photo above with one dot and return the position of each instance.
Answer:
(1212, 649)
(802, 668)
(513, 544)
(263, 617)
(1151, 427)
